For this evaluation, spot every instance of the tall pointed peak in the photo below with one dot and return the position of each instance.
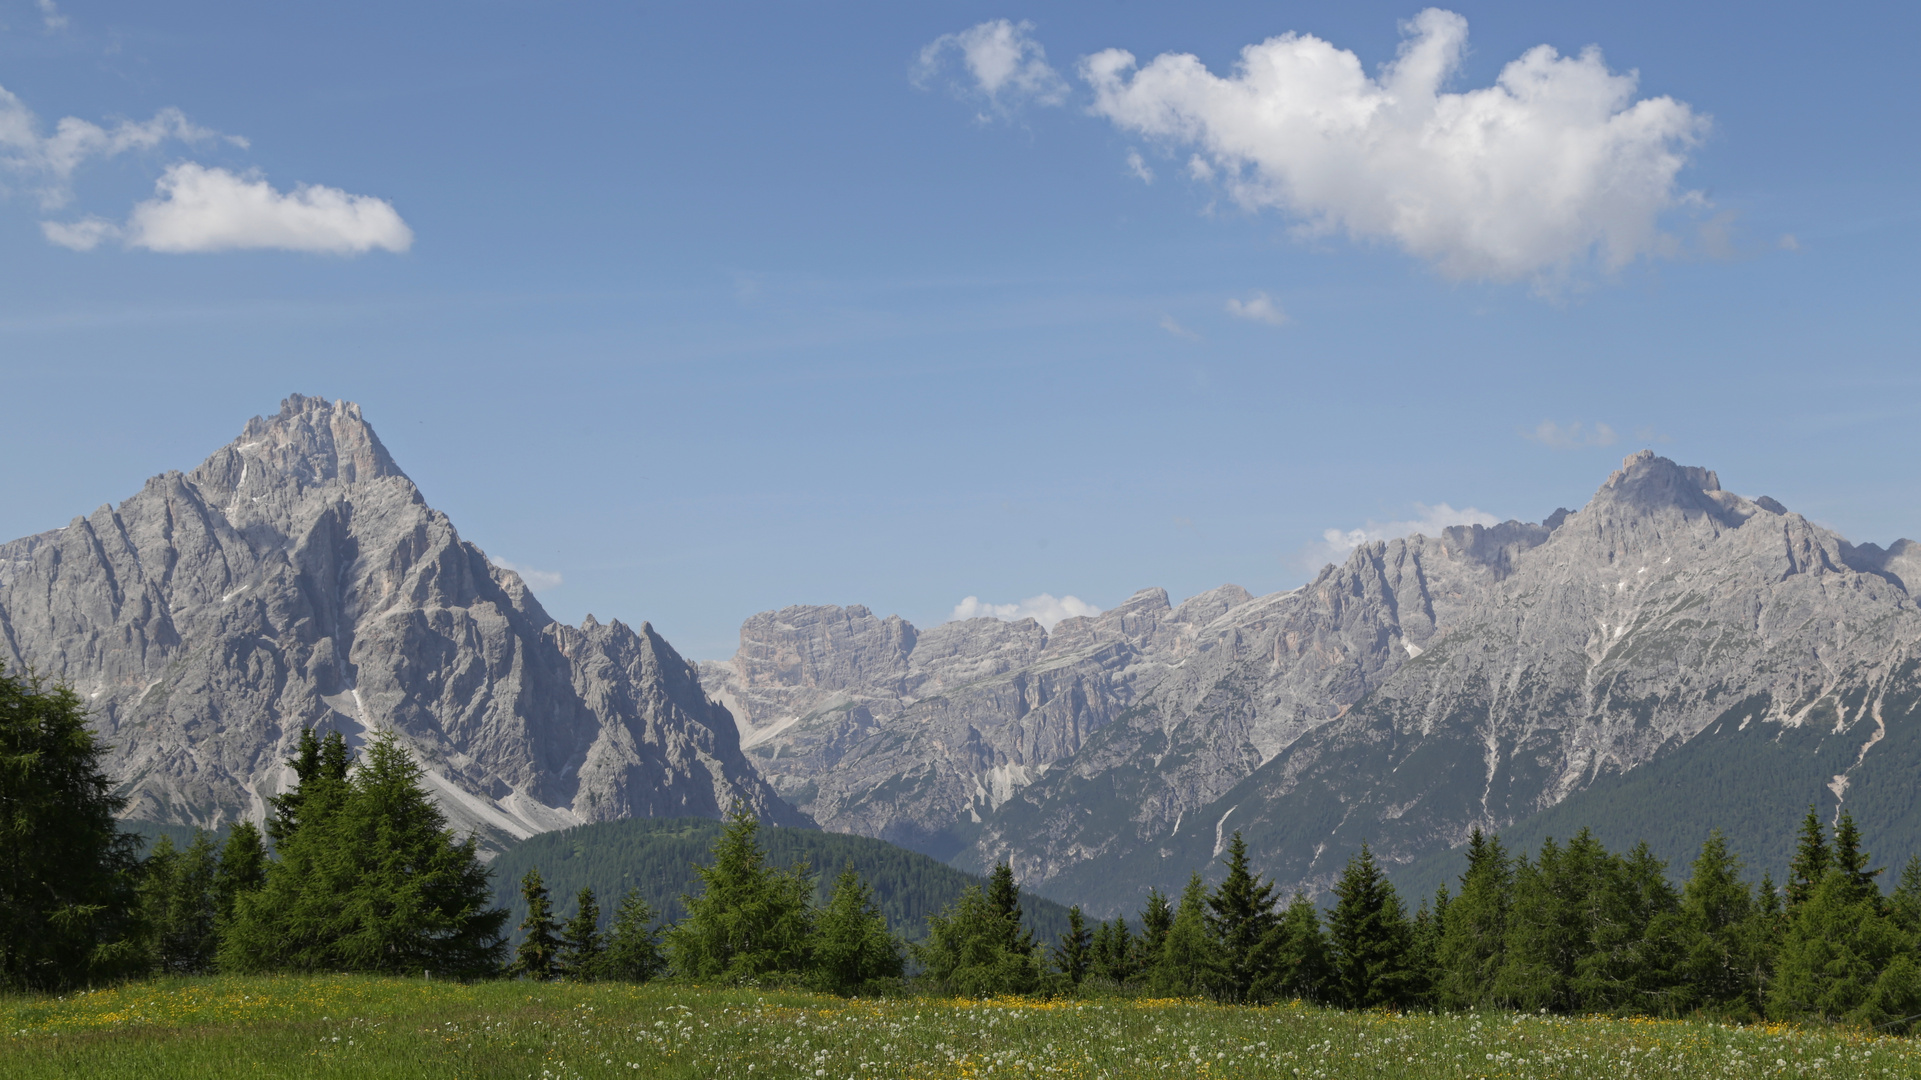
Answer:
(310, 440)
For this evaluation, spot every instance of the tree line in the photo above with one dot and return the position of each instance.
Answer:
(357, 871)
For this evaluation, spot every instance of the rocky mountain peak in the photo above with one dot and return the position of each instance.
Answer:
(310, 441)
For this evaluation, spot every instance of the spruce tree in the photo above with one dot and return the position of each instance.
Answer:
(1295, 961)
(242, 870)
(1812, 858)
(1837, 961)
(538, 954)
(67, 873)
(633, 942)
(1473, 931)
(581, 948)
(1369, 937)
(1240, 915)
(1851, 860)
(1904, 907)
(853, 950)
(750, 920)
(178, 906)
(1189, 963)
(1157, 918)
(1717, 970)
(1074, 955)
(1116, 952)
(368, 878)
(975, 947)
(1424, 951)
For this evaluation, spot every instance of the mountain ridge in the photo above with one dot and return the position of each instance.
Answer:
(297, 577)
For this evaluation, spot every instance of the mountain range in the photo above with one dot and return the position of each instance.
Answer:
(1669, 658)
(1488, 677)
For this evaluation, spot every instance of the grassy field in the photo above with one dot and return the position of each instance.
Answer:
(344, 1026)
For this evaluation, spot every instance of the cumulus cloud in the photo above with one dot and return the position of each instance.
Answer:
(1044, 609)
(1553, 165)
(1005, 67)
(50, 16)
(535, 579)
(1259, 308)
(1549, 433)
(1427, 521)
(46, 163)
(201, 209)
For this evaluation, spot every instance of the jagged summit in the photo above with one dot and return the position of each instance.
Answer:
(297, 578)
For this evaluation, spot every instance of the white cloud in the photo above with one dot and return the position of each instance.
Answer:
(50, 16)
(1168, 324)
(1260, 308)
(1138, 166)
(1553, 165)
(1044, 609)
(535, 579)
(1549, 433)
(47, 162)
(1008, 68)
(1428, 521)
(201, 209)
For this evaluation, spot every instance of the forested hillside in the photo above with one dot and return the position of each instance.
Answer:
(657, 856)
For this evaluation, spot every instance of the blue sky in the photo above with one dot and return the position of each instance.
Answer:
(699, 310)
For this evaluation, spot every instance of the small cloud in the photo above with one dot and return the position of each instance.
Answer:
(1646, 434)
(47, 162)
(1044, 609)
(1789, 243)
(535, 579)
(1548, 433)
(1006, 66)
(1199, 169)
(50, 16)
(1428, 521)
(1138, 166)
(1168, 324)
(1259, 308)
(201, 209)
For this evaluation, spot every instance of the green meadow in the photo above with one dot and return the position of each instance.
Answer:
(365, 1027)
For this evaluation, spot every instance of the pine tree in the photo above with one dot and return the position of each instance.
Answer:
(1904, 907)
(539, 949)
(853, 950)
(291, 923)
(1189, 963)
(1837, 960)
(1424, 950)
(1240, 914)
(581, 948)
(1717, 909)
(750, 921)
(1295, 961)
(1157, 918)
(1074, 955)
(178, 906)
(1116, 952)
(1812, 859)
(242, 870)
(320, 769)
(408, 896)
(633, 944)
(1369, 937)
(1473, 931)
(67, 873)
(1851, 860)
(976, 948)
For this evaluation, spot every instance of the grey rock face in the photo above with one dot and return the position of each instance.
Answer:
(297, 578)
(1424, 687)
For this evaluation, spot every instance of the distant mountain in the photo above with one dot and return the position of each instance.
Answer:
(656, 856)
(1422, 688)
(297, 577)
